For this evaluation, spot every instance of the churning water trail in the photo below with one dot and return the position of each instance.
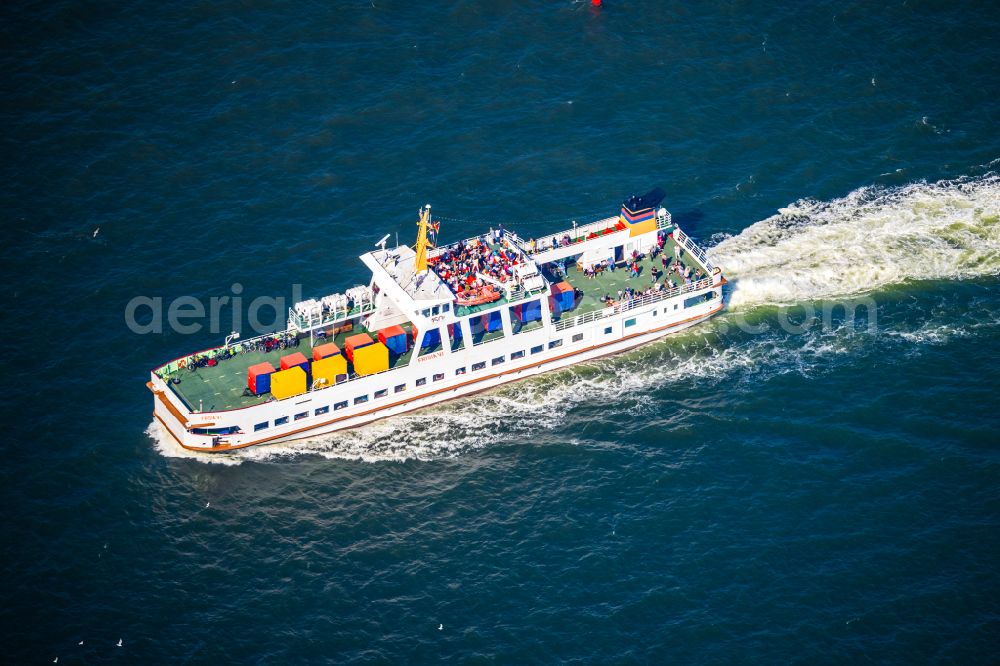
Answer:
(873, 238)
(869, 240)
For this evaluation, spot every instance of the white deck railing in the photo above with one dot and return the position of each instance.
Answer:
(213, 352)
(663, 220)
(632, 303)
(580, 231)
(305, 324)
(685, 241)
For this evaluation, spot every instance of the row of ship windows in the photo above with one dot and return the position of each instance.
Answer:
(361, 399)
(437, 309)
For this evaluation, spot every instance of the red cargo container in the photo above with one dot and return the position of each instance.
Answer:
(259, 378)
(356, 342)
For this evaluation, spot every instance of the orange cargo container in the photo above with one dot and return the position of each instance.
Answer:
(322, 351)
(292, 360)
(356, 342)
(287, 383)
(371, 359)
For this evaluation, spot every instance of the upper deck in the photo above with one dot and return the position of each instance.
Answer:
(609, 288)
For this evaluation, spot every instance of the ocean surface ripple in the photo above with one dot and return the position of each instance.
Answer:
(810, 476)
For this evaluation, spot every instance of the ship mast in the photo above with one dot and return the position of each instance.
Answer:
(422, 242)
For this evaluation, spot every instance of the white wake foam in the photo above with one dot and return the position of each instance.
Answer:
(872, 238)
(169, 448)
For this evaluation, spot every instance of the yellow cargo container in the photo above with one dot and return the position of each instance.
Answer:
(286, 383)
(325, 370)
(371, 359)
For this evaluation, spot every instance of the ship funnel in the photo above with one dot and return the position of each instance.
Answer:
(639, 213)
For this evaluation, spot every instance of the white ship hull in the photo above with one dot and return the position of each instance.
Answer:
(317, 412)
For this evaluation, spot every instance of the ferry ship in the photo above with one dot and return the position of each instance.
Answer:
(441, 321)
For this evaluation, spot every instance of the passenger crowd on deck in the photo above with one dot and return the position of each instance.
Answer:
(629, 294)
(458, 265)
(461, 265)
(673, 269)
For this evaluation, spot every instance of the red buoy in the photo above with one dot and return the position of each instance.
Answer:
(596, 3)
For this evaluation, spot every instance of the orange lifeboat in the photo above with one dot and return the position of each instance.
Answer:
(477, 296)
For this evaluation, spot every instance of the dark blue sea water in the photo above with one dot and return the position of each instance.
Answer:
(781, 484)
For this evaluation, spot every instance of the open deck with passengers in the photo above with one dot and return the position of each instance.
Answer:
(467, 293)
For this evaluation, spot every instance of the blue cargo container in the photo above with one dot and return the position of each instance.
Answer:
(259, 378)
(565, 300)
(493, 321)
(396, 344)
(394, 338)
(531, 311)
(431, 338)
